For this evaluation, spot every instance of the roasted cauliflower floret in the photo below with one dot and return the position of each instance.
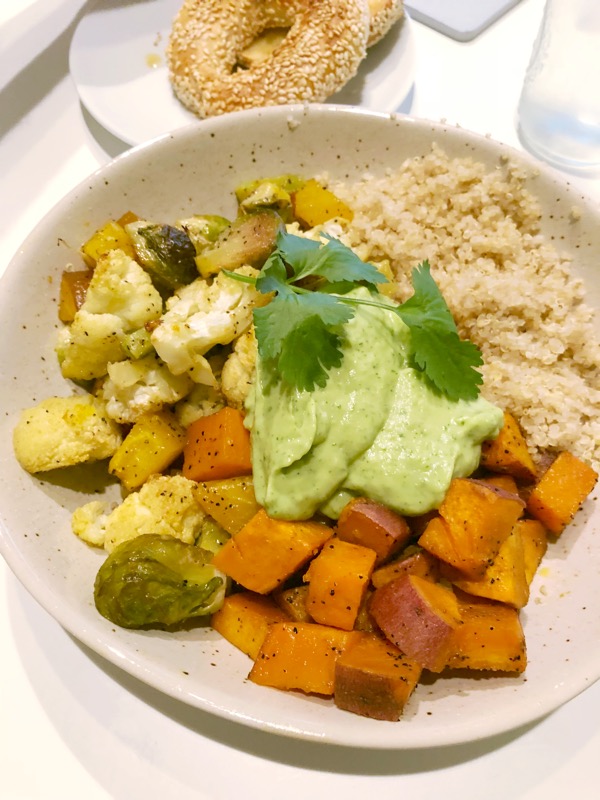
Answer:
(121, 287)
(202, 400)
(138, 387)
(63, 431)
(238, 372)
(88, 345)
(165, 504)
(202, 315)
(119, 299)
(88, 522)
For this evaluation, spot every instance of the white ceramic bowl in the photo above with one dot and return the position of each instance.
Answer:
(195, 169)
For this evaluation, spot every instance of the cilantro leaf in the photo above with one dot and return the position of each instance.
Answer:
(447, 361)
(289, 330)
(273, 275)
(308, 353)
(299, 332)
(331, 260)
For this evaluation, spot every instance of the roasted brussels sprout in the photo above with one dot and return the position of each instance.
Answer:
(212, 536)
(166, 253)
(274, 193)
(248, 240)
(203, 229)
(156, 580)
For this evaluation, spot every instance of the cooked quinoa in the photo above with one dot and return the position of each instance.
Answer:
(510, 291)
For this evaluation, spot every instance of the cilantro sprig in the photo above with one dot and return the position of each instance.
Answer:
(300, 330)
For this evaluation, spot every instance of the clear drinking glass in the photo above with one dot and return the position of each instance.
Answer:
(559, 108)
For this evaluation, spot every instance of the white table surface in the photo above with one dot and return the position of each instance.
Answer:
(73, 726)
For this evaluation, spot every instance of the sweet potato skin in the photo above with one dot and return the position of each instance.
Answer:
(418, 616)
(374, 679)
(266, 551)
(558, 495)
(373, 525)
(414, 560)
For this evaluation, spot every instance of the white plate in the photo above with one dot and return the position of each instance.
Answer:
(195, 170)
(117, 60)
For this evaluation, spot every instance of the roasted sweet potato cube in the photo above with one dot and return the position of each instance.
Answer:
(374, 679)
(300, 655)
(338, 579)
(508, 452)
(373, 525)
(293, 602)
(244, 619)
(505, 578)
(478, 517)
(535, 543)
(414, 560)
(418, 616)
(558, 495)
(489, 638)
(231, 501)
(364, 621)
(217, 447)
(267, 551)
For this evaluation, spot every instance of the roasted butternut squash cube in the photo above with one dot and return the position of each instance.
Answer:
(244, 620)
(300, 655)
(373, 525)
(217, 446)
(231, 501)
(476, 518)
(374, 679)
(150, 447)
(508, 452)
(338, 579)
(505, 578)
(313, 204)
(419, 617)
(558, 495)
(490, 637)
(267, 551)
(414, 561)
(73, 288)
(111, 236)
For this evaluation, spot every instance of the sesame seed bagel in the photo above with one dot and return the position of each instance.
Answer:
(384, 13)
(322, 50)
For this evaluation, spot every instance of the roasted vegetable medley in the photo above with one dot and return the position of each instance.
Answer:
(164, 327)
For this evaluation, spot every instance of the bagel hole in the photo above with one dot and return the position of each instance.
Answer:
(261, 48)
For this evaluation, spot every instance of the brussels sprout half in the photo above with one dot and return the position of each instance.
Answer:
(156, 580)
